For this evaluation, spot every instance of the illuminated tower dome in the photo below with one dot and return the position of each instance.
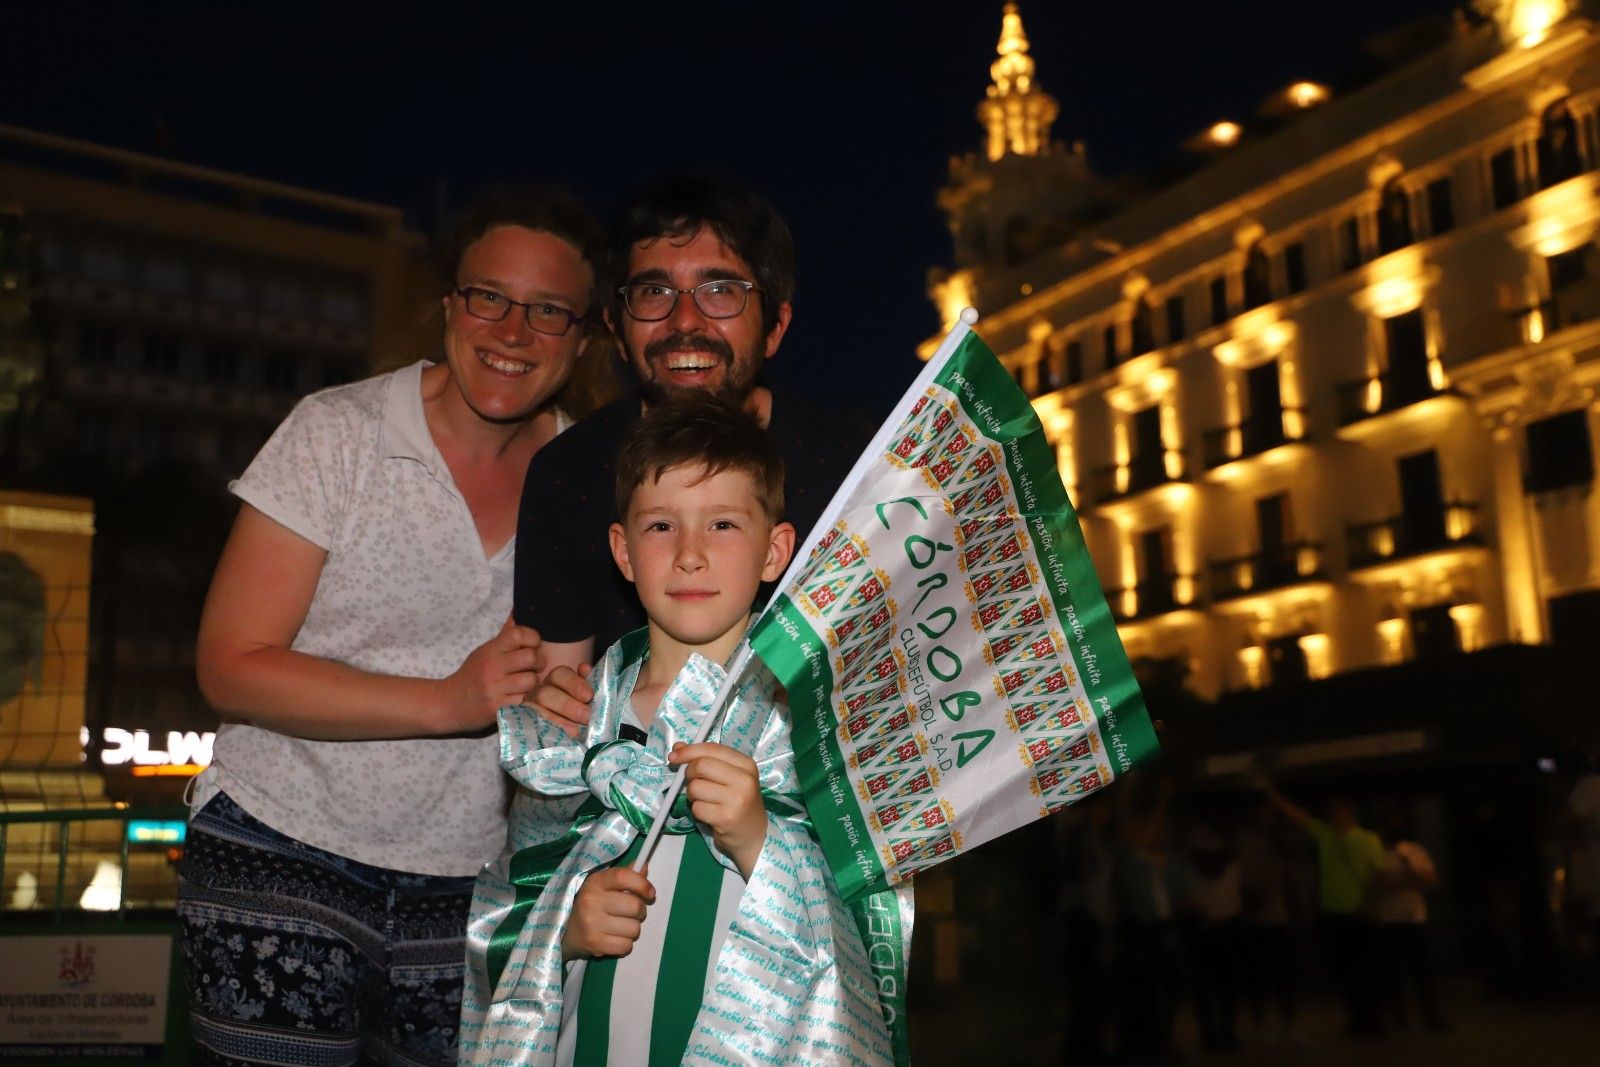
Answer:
(1024, 194)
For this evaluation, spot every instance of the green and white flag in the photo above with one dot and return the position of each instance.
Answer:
(952, 666)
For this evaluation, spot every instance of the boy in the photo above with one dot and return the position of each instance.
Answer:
(736, 948)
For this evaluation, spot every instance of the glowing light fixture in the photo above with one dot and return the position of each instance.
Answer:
(1469, 625)
(1307, 94)
(1223, 134)
(1318, 650)
(1253, 663)
(1392, 633)
(1533, 326)
(1529, 22)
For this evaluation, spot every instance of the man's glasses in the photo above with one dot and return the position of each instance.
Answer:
(542, 317)
(721, 298)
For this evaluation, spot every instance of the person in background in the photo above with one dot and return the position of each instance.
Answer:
(1214, 918)
(356, 642)
(1267, 889)
(1084, 845)
(1145, 960)
(1400, 908)
(1348, 857)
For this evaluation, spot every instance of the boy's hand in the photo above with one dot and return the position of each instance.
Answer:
(608, 914)
(725, 794)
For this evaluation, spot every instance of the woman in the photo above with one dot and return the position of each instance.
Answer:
(357, 642)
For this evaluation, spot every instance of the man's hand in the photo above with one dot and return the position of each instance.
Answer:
(498, 672)
(608, 914)
(724, 791)
(563, 697)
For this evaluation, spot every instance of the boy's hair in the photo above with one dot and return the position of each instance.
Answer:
(704, 431)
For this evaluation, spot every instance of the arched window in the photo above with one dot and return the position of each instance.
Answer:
(1559, 158)
(1019, 240)
(1394, 218)
(1052, 373)
(1257, 278)
(973, 244)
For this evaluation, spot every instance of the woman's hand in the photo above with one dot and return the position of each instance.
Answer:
(501, 671)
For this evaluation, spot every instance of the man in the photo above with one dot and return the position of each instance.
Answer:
(1349, 856)
(707, 273)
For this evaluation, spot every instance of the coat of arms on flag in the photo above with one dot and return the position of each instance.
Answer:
(952, 666)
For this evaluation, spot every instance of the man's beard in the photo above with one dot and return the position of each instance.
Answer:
(737, 380)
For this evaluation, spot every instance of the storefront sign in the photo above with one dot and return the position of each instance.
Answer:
(143, 748)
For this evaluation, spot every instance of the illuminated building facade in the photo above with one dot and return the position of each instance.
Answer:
(166, 317)
(1329, 403)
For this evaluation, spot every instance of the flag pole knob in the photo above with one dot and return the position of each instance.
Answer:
(969, 316)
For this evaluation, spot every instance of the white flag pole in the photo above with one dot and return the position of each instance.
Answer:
(830, 514)
(741, 660)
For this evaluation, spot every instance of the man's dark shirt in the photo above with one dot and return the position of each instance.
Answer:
(568, 586)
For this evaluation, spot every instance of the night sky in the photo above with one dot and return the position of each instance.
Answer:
(843, 114)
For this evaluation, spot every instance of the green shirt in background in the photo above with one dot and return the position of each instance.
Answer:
(1346, 863)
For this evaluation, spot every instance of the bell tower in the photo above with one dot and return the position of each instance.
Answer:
(1016, 114)
(1024, 193)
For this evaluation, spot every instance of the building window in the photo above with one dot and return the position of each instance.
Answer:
(1558, 147)
(1074, 362)
(1350, 243)
(1566, 268)
(103, 263)
(97, 345)
(1219, 300)
(1018, 240)
(1286, 660)
(1176, 328)
(1156, 588)
(285, 297)
(1149, 452)
(1406, 341)
(1394, 218)
(1560, 453)
(225, 286)
(1504, 187)
(1433, 632)
(168, 276)
(222, 364)
(344, 308)
(1441, 209)
(1575, 620)
(1257, 278)
(1143, 328)
(279, 373)
(1047, 378)
(161, 355)
(1109, 335)
(1574, 287)
(1294, 267)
